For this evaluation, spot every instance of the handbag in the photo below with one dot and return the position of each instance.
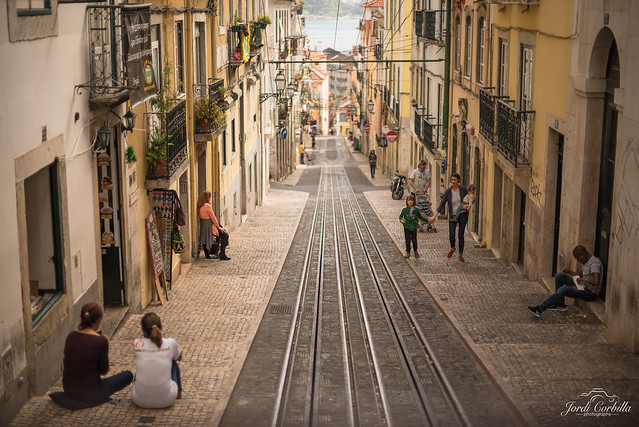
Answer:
(177, 240)
(179, 217)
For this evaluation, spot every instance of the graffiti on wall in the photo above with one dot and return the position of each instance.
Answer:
(535, 193)
(627, 220)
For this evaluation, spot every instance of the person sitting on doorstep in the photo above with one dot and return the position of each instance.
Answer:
(585, 285)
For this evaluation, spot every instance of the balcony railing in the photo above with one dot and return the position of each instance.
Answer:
(514, 132)
(170, 125)
(524, 2)
(426, 131)
(487, 114)
(434, 25)
(106, 32)
(419, 23)
(379, 51)
(210, 106)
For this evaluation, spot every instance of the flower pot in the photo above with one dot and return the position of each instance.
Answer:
(203, 126)
(235, 28)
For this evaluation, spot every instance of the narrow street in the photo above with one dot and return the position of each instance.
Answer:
(302, 273)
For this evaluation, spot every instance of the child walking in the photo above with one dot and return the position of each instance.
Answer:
(409, 217)
(469, 201)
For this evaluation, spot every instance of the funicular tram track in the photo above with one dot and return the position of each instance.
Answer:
(356, 354)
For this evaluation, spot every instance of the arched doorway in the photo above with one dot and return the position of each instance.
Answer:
(453, 154)
(478, 190)
(607, 164)
(466, 160)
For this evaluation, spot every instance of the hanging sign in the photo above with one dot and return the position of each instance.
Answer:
(139, 59)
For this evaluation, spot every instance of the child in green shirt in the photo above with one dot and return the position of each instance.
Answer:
(409, 218)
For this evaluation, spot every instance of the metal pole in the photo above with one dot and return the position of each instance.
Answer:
(351, 61)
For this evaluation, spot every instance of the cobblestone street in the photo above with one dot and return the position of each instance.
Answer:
(215, 308)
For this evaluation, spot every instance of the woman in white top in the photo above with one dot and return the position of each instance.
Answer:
(157, 381)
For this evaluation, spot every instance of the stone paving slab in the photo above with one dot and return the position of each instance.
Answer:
(213, 312)
(541, 364)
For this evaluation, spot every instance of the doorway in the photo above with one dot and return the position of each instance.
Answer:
(607, 165)
(560, 165)
(477, 190)
(110, 222)
(522, 228)
(466, 161)
(453, 155)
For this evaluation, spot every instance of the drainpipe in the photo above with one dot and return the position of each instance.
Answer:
(446, 105)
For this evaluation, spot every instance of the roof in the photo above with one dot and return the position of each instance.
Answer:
(373, 3)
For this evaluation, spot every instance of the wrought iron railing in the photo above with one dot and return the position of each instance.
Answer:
(106, 32)
(419, 23)
(379, 51)
(166, 132)
(427, 131)
(487, 114)
(210, 106)
(514, 132)
(434, 25)
(524, 2)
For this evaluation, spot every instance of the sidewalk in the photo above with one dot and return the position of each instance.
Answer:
(213, 312)
(540, 363)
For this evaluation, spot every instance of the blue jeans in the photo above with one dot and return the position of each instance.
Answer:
(175, 374)
(462, 221)
(565, 287)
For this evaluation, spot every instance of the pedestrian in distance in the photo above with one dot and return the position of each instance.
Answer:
(210, 228)
(409, 217)
(302, 151)
(86, 358)
(372, 161)
(419, 179)
(157, 374)
(584, 285)
(453, 197)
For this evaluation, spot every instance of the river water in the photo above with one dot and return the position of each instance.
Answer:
(323, 30)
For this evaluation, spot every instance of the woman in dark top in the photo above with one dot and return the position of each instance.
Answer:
(453, 196)
(86, 358)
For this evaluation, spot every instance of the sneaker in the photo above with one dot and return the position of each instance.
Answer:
(407, 255)
(451, 252)
(558, 307)
(535, 310)
(416, 255)
(461, 258)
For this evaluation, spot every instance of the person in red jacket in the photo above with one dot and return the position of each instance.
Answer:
(210, 228)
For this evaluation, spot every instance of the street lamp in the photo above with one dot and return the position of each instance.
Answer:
(290, 90)
(280, 82)
(371, 106)
(104, 134)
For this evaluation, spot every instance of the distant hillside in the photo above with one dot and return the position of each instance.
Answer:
(328, 8)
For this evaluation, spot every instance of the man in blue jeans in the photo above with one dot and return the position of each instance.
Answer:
(585, 285)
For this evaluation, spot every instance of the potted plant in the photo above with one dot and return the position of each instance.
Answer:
(156, 153)
(237, 24)
(263, 21)
(202, 114)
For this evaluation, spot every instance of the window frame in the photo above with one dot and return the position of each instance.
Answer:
(481, 49)
(526, 77)
(35, 11)
(457, 63)
(502, 70)
(468, 51)
(178, 59)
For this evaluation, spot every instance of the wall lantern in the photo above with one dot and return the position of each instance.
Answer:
(280, 81)
(371, 106)
(103, 138)
(290, 90)
(128, 121)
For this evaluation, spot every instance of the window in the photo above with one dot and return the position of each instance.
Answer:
(223, 143)
(220, 13)
(525, 98)
(427, 96)
(457, 42)
(469, 44)
(481, 53)
(502, 78)
(33, 7)
(233, 136)
(44, 240)
(179, 56)
(199, 35)
(156, 54)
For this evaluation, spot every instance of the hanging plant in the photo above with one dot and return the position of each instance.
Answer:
(129, 155)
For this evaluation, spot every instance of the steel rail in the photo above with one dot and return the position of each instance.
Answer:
(436, 367)
(381, 394)
(426, 411)
(287, 365)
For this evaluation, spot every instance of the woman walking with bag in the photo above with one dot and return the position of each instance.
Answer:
(210, 228)
(372, 161)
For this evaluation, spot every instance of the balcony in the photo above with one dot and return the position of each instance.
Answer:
(167, 145)
(379, 51)
(434, 26)
(423, 127)
(514, 132)
(210, 105)
(487, 114)
(255, 42)
(109, 85)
